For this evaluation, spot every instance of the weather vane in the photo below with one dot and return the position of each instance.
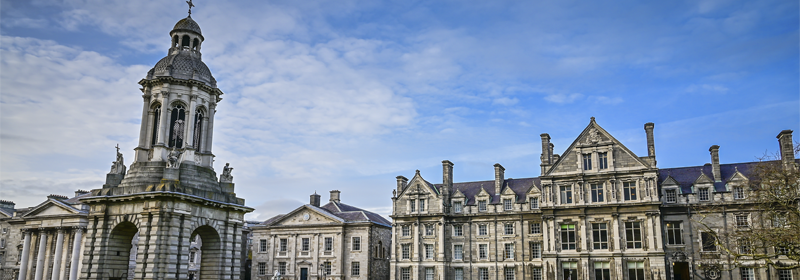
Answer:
(190, 7)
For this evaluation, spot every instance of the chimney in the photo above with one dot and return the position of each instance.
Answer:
(401, 183)
(335, 196)
(547, 151)
(314, 199)
(447, 176)
(58, 197)
(651, 146)
(715, 163)
(6, 204)
(80, 192)
(786, 148)
(499, 177)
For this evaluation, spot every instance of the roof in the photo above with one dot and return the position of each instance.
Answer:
(187, 24)
(519, 186)
(354, 214)
(686, 176)
(183, 64)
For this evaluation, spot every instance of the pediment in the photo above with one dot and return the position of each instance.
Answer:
(459, 194)
(703, 179)
(508, 191)
(534, 190)
(51, 208)
(738, 177)
(483, 193)
(669, 182)
(418, 186)
(307, 215)
(594, 136)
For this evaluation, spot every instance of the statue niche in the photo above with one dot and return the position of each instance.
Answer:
(177, 127)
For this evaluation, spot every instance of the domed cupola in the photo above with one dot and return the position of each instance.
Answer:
(184, 60)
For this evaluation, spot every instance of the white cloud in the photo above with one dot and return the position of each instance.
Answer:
(505, 101)
(563, 98)
(707, 88)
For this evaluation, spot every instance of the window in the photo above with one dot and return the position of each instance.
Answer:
(406, 230)
(674, 233)
(483, 251)
(327, 268)
(328, 243)
(406, 251)
(457, 207)
(536, 273)
(629, 189)
(784, 274)
(177, 127)
(602, 160)
(429, 230)
(405, 273)
(635, 270)
(703, 194)
(482, 205)
(458, 230)
(262, 268)
(413, 205)
(600, 235)
(483, 273)
(534, 203)
(458, 252)
(509, 273)
(192, 256)
(536, 250)
(597, 192)
(508, 253)
(421, 205)
(745, 247)
(602, 271)
(567, 237)
(355, 269)
(633, 235)
(284, 244)
(508, 229)
(507, 206)
(458, 273)
(738, 193)
(781, 250)
(429, 251)
(262, 245)
(709, 240)
(536, 227)
(779, 220)
(429, 273)
(570, 270)
(741, 221)
(747, 273)
(482, 230)
(356, 243)
(587, 161)
(566, 194)
(305, 244)
(671, 196)
(282, 268)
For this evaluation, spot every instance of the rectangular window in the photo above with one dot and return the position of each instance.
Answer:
(262, 245)
(406, 251)
(536, 273)
(405, 273)
(536, 227)
(482, 205)
(602, 271)
(587, 161)
(429, 230)
(482, 230)
(566, 194)
(508, 229)
(192, 256)
(629, 189)
(429, 273)
(507, 205)
(262, 268)
(328, 268)
(458, 273)
(741, 221)
(509, 251)
(483, 273)
(306, 244)
(674, 233)
(483, 251)
(782, 250)
(633, 235)
(534, 203)
(536, 250)
(570, 270)
(671, 196)
(747, 273)
(602, 159)
(356, 243)
(784, 274)
(709, 241)
(421, 205)
(284, 244)
(406, 230)
(282, 268)
(458, 252)
(600, 235)
(328, 243)
(738, 192)
(635, 270)
(567, 237)
(702, 195)
(509, 273)
(457, 207)
(355, 269)
(429, 251)
(458, 230)
(413, 205)
(745, 247)
(597, 192)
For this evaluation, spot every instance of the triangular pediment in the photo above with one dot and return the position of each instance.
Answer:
(459, 194)
(508, 191)
(534, 190)
(703, 179)
(51, 207)
(483, 193)
(418, 186)
(669, 182)
(738, 177)
(307, 215)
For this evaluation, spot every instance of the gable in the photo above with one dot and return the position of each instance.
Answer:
(458, 194)
(50, 209)
(298, 217)
(418, 186)
(670, 182)
(703, 179)
(594, 140)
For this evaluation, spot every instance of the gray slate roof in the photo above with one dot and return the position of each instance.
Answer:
(470, 189)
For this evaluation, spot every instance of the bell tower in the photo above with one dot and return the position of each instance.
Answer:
(170, 195)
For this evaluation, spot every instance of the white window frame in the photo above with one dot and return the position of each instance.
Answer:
(482, 205)
(458, 207)
(458, 251)
(536, 250)
(483, 229)
(508, 228)
(405, 251)
(458, 230)
(738, 192)
(406, 230)
(534, 202)
(747, 273)
(428, 251)
(483, 251)
(356, 246)
(355, 269)
(507, 204)
(671, 195)
(536, 227)
(508, 251)
(262, 245)
(262, 268)
(704, 194)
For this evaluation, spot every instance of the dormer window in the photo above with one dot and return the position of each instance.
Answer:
(587, 161)
(738, 193)
(457, 207)
(671, 196)
(702, 194)
(602, 160)
(482, 205)
(507, 206)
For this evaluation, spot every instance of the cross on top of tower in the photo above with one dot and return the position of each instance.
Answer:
(190, 7)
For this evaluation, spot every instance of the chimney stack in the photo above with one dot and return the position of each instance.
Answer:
(499, 178)
(315, 199)
(547, 152)
(80, 192)
(651, 146)
(6, 204)
(715, 163)
(401, 184)
(335, 196)
(786, 148)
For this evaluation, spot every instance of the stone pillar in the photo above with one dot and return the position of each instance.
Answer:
(26, 250)
(149, 133)
(616, 239)
(41, 255)
(76, 250)
(212, 110)
(162, 127)
(143, 127)
(56, 275)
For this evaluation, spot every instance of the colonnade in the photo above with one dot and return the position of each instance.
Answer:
(52, 251)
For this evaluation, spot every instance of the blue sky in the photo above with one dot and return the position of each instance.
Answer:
(346, 95)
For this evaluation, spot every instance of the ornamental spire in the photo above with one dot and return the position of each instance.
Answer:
(190, 7)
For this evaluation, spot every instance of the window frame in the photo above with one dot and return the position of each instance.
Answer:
(671, 195)
(305, 244)
(602, 160)
(706, 245)
(635, 270)
(602, 270)
(458, 207)
(356, 243)
(262, 245)
(429, 251)
(413, 205)
(534, 202)
(327, 244)
(508, 228)
(703, 194)
(508, 251)
(507, 204)
(597, 192)
(742, 221)
(587, 161)
(535, 228)
(509, 273)
(284, 245)
(355, 269)
(406, 230)
(674, 232)
(565, 193)
(430, 230)
(599, 236)
(568, 237)
(536, 250)
(482, 205)
(483, 251)
(405, 253)
(262, 268)
(634, 238)
(483, 229)
(738, 192)
(458, 251)
(629, 190)
(747, 273)
(282, 268)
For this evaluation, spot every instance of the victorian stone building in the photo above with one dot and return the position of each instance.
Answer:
(332, 241)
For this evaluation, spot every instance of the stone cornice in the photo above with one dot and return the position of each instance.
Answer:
(168, 194)
(170, 80)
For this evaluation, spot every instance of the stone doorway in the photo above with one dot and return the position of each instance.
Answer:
(680, 271)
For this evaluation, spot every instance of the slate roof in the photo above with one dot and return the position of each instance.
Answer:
(471, 189)
(187, 24)
(686, 176)
(354, 214)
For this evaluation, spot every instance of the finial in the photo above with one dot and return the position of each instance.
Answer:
(190, 7)
(592, 119)
(117, 147)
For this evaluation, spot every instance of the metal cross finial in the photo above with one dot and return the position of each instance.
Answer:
(190, 7)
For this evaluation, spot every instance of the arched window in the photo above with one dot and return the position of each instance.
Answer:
(195, 44)
(198, 129)
(185, 41)
(175, 41)
(155, 123)
(177, 126)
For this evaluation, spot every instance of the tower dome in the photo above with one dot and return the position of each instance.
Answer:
(184, 60)
(187, 24)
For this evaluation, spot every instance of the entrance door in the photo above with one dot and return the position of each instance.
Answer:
(304, 273)
(680, 271)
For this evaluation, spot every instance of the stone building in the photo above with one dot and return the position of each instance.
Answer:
(334, 241)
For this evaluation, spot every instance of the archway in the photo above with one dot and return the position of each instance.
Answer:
(121, 252)
(210, 253)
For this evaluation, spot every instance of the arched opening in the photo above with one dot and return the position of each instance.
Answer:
(185, 41)
(120, 262)
(196, 44)
(198, 129)
(175, 41)
(156, 120)
(177, 126)
(208, 258)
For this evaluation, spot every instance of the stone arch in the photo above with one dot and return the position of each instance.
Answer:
(155, 121)
(211, 254)
(120, 252)
(185, 41)
(177, 124)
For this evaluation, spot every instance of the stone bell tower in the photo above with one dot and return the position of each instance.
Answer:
(142, 221)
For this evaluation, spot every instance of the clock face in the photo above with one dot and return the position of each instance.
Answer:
(306, 217)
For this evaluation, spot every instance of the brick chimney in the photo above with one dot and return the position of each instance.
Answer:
(335, 196)
(499, 178)
(547, 152)
(786, 148)
(401, 184)
(651, 146)
(715, 163)
(314, 199)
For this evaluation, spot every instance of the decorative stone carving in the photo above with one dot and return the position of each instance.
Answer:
(118, 166)
(197, 159)
(226, 174)
(276, 275)
(174, 158)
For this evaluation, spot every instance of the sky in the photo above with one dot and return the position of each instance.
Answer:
(346, 95)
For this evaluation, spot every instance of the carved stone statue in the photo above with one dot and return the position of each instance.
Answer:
(174, 159)
(226, 174)
(118, 166)
(177, 131)
(276, 275)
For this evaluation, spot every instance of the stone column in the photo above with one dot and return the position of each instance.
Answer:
(149, 127)
(56, 275)
(617, 237)
(76, 251)
(162, 127)
(26, 250)
(203, 133)
(212, 110)
(41, 255)
(143, 127)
